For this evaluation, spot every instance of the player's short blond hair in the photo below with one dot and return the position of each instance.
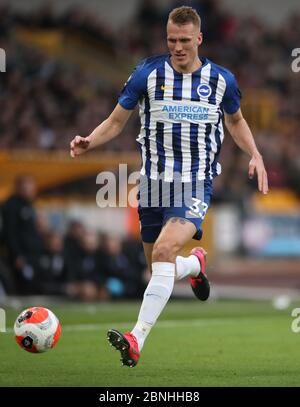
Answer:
(184, 15)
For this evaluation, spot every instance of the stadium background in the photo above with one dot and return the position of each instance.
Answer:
(65, 64)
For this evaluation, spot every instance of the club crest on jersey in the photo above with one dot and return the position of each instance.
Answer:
(204, 90)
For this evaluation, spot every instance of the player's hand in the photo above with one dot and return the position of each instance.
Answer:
(79, 145)
(257, 165)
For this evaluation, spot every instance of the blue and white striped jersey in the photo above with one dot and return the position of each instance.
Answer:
(181, 116)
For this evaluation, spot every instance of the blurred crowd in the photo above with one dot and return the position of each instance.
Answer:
(81, 264)
(45, 102)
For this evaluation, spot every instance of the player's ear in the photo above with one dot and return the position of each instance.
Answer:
(200, 38)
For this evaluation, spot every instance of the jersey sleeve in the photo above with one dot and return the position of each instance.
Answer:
(232, 96)
(134, 88)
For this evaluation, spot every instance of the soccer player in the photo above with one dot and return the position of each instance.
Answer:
(182, 100)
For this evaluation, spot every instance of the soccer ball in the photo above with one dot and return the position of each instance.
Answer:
(37, 329)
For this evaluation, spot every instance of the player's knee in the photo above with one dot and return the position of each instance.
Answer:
(165, 251)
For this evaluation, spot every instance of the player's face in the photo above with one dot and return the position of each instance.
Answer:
(183, 42)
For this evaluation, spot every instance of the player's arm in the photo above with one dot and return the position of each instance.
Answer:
(241, 134)
(106, 131)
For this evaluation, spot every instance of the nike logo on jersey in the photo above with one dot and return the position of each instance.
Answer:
(165, 87)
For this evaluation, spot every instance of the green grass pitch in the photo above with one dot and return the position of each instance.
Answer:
(221, 343)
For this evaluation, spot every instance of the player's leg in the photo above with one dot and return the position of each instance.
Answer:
(185, 266)
(148, 248)
(190, 266)
(176, 233)
(193, 266)
(173, 237)
(168, 243)
(197, 196)
(151, 220)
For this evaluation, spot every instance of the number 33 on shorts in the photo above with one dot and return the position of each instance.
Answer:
(199, 208)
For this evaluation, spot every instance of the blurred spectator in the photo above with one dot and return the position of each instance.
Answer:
(52, 267)
(125, 274)
(73, 238)
(21, 235)
(148, 20)
(134, 251)
(87, 269)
